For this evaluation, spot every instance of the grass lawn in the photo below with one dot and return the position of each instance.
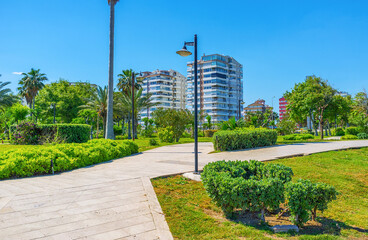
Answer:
(192, 215)
(280, 140)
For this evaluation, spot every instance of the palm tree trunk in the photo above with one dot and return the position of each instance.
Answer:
(104, 128)
(109, 121)
(129, 135)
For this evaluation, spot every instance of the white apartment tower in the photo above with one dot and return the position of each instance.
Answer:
(220, 87)
(167, 89)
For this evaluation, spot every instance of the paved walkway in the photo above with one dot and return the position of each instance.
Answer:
(115, 200)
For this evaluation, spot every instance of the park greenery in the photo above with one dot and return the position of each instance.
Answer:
(26, 162)
(243, 138)
(64, 102)
(257, 187)
(317, 100)
(187, 203)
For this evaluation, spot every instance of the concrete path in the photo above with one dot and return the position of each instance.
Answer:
(115, 200)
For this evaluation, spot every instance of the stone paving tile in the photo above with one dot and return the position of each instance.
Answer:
(115, 200)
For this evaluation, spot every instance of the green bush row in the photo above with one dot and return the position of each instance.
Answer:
(349, 137)
(256, 186)
(37, 160)
(227, 140)
(31, 134)
(298, 137)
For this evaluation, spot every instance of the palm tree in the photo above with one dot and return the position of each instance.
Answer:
(125, 81)
(140, 102)
(110, 115)
(98, 103)
(30, 84)
(6, 99)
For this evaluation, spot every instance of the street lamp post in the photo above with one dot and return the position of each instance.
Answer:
(184, 53)
(133, 120)
(273, 127)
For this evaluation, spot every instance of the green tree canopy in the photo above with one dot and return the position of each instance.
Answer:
(30, 84)
(310, 98)
(67, 98)
(177, 119)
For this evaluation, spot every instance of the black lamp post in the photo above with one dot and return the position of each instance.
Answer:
(133, 116)
(184, 53)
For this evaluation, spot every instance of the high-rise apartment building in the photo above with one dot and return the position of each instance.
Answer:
(282, 107)
(167, 88)
(220, 87)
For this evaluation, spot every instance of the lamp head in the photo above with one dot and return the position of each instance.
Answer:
(184, 52)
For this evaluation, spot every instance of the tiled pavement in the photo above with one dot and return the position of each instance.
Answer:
(115, 200)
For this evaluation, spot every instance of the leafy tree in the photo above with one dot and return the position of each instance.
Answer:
(30, 84)
(359, 115)
(67, 99)
(261, 119)
(286, 126)
(6, 99)
(310, 98)
(19, 112)
(338, 110)
(148, 127)
(176, 119)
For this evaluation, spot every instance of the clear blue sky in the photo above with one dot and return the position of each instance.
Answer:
(278, 42)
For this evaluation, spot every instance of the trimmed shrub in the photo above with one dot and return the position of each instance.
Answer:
(153, 142)
(298, 202)
(25, 133)
(37, 160)
(227, 140)
(209, 132)
(252, 185)
(338, 132)
(166, 135)
(351, 131)
(30, 134)
(304, 197)
(303, 136)
(349, 137)
(362, 136)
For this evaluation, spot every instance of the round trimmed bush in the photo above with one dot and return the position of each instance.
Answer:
(252, 185)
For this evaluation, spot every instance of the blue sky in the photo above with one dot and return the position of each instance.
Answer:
(278, 42)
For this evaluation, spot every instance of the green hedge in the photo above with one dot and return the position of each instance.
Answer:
(37, 160)
(352, 131)
(247, 185)
(67, 133)
(338, 132)
(349, 137)
(298, 137)
(227, 140)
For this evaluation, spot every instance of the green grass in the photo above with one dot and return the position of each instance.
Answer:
(280, 140)
(192, 215)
